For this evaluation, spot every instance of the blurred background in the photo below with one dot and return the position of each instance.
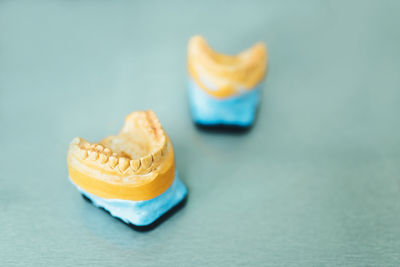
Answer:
(314, 183)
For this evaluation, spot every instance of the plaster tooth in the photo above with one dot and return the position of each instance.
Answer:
(154, 119)
(157, 124)
(162, 140)
(150, 131)
(103, 158)
(157, 156)
(82, 153)
(93, 155)
(99, 148)
(164, 150)
(123, 164)
(145, 121)
(112, 161)
(107, 151)
(92, 146)
(135, 164)
(76, 141)
(87, 146)
(146, 161)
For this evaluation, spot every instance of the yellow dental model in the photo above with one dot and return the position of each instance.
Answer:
(222, 75)
(224, 90)
(135, 166)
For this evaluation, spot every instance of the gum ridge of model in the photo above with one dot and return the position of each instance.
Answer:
(131, 175)
(224, 89)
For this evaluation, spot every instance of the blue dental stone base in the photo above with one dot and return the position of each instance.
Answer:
(238, 110)
(141, 213)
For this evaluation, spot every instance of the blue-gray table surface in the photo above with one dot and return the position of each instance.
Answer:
(314, 183)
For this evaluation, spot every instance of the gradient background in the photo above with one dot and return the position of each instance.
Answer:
(315, 182)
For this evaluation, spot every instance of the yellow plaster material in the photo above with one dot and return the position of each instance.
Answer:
(223, 75)
(137, 164)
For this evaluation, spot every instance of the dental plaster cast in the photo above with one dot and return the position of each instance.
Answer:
(224, 90)
(131, 175)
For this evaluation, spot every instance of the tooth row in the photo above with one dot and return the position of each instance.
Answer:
(113, 160)
(145, 163)
(96, 152)
(150, 122)
(135, 165)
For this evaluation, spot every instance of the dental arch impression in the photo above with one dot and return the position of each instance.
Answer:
(131, 175)
(224, 89)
